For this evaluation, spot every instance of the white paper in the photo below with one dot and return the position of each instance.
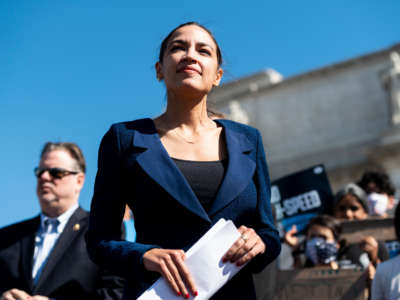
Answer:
(204, 260)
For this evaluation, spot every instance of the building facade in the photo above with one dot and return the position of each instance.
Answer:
(346, 116)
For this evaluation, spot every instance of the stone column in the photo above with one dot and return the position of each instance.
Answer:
(237, 113)
(391, 81)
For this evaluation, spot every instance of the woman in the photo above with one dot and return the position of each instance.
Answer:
(180, 173)
(351, 203)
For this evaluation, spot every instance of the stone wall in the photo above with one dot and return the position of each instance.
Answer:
(339, 115)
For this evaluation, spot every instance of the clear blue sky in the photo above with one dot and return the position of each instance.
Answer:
(69, 69)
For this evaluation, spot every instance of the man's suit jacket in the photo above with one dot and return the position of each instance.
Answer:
(135, 168)
(68, 273)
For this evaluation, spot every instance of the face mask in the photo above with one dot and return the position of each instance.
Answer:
(377, 204)
(320, 251)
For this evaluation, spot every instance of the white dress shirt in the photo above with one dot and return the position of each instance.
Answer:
(46, 237)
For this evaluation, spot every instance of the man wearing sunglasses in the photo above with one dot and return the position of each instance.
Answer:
(45, 257)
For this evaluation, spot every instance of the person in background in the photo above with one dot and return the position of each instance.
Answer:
(350, 204)
(321, 245)
(45, 257)
(381, 193)
(386, 284)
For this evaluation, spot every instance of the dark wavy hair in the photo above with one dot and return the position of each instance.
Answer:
(381, 180)
(166, 40)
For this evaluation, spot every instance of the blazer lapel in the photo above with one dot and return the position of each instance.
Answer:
(27, 249)
(240, 168)
(62, 245)
(156, 162)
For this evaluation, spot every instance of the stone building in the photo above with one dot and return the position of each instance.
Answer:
(346, 116)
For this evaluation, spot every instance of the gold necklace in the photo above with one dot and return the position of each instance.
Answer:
(189, 141)
(179, 135)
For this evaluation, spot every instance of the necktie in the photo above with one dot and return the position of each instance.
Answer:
(51, 225)
(44, 244)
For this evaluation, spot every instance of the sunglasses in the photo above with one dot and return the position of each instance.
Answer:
(57, 173)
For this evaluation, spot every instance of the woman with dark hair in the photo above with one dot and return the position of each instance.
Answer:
(180, 173)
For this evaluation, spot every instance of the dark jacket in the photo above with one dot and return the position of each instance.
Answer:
(68, 273)
(135, 168)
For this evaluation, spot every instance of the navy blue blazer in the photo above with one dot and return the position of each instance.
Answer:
(135, 169)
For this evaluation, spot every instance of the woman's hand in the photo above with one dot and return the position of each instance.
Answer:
(370, 246)
(291, 239)
(245, 248)
(170, 264)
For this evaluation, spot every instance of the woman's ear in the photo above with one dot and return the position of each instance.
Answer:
(218, 77)
(159, 74)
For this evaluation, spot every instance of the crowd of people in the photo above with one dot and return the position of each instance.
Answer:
(372, 196)
(179, 173)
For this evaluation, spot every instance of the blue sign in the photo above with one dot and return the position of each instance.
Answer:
(299, 197)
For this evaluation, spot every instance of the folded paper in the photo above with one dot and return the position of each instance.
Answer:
(204, 261)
